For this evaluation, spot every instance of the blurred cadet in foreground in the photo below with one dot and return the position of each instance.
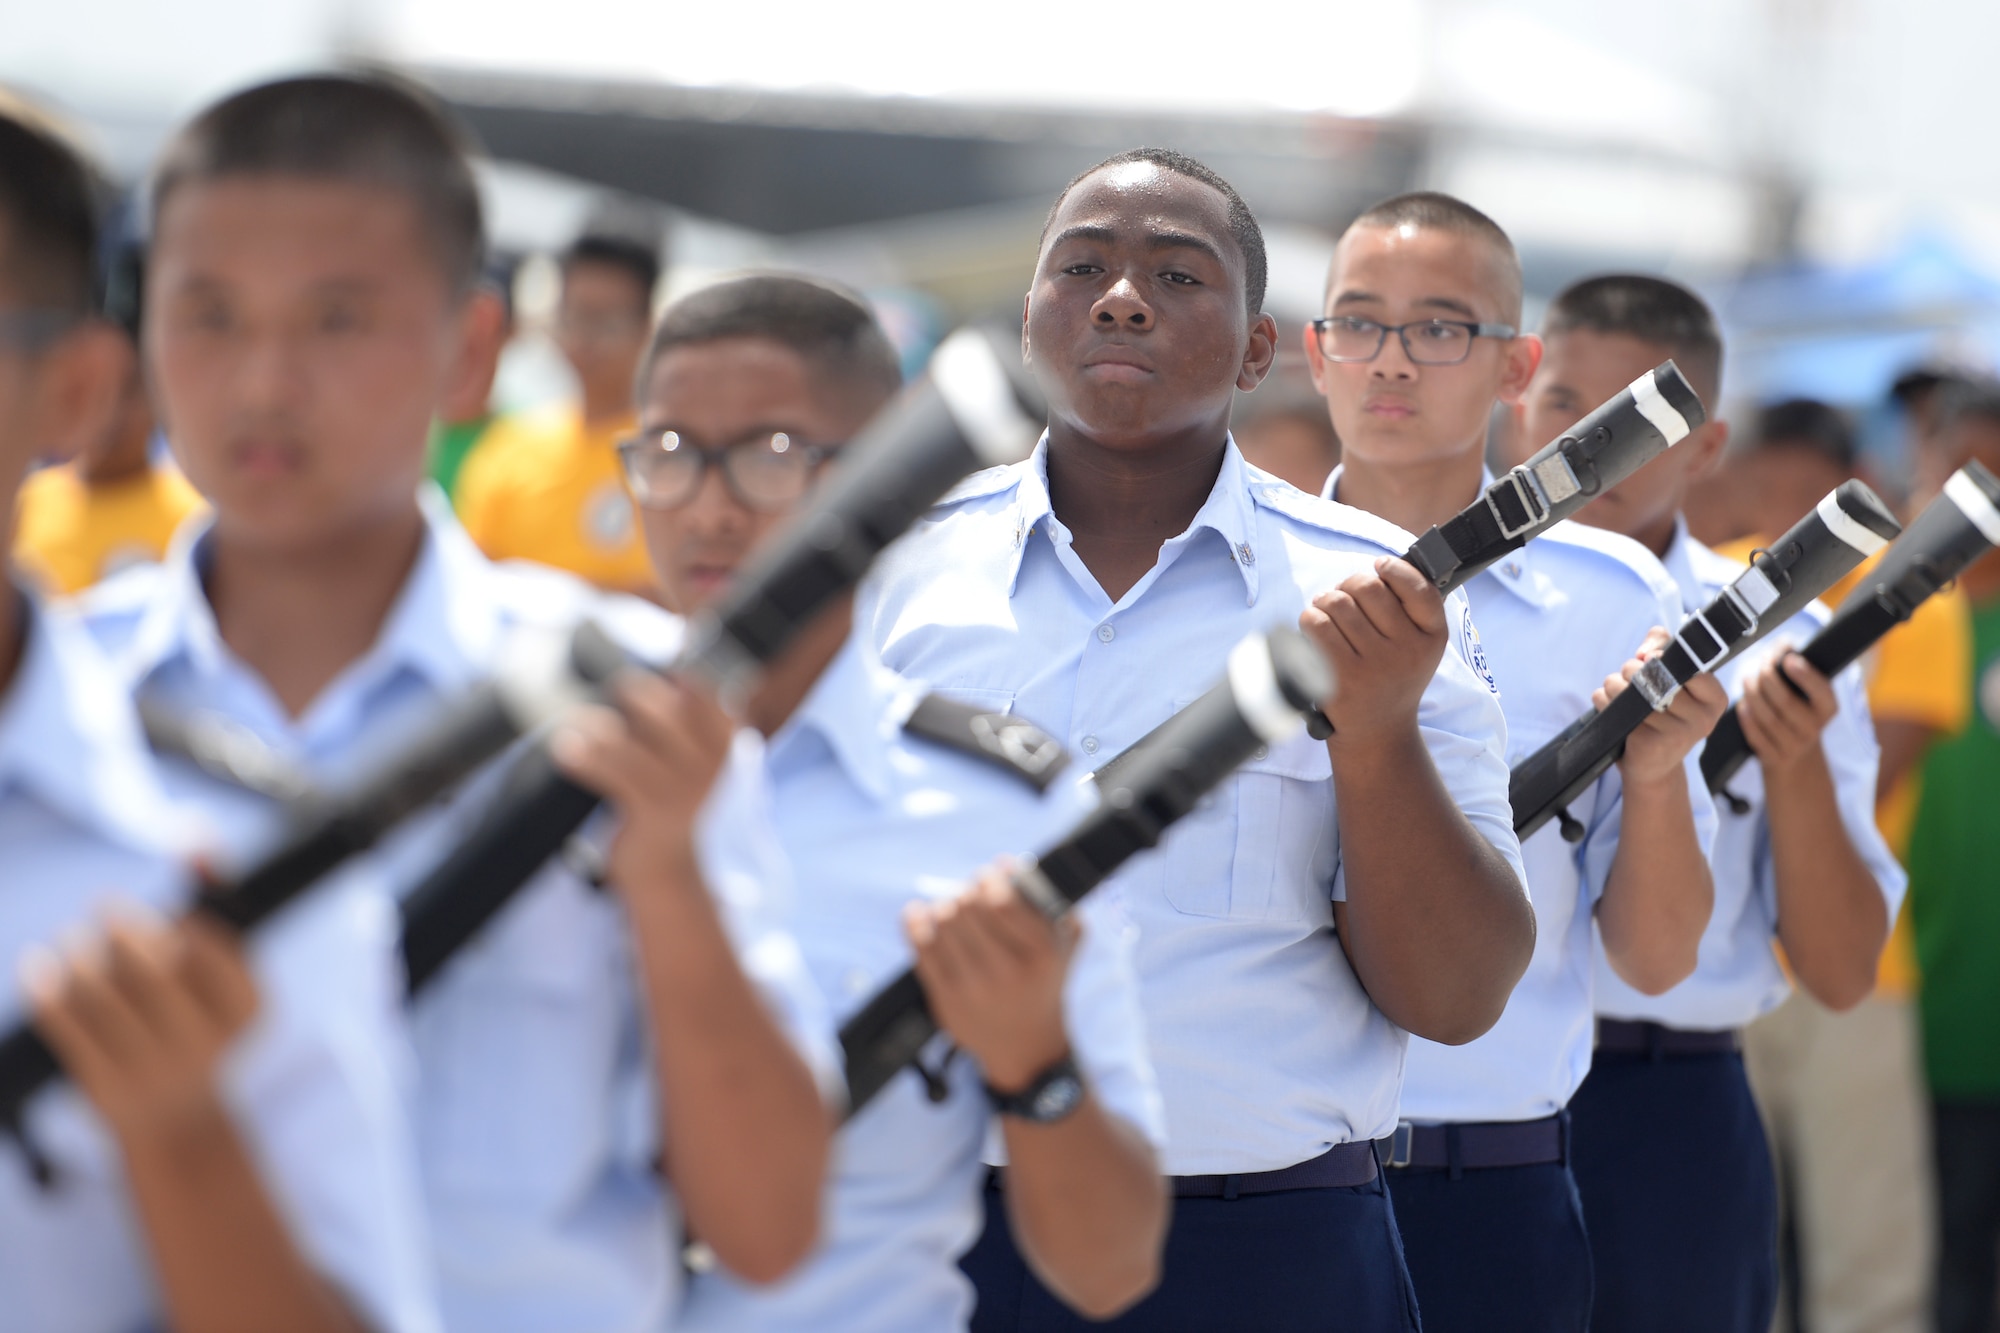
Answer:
(544, 486)
(1839, 1090)
(119, 500)
(229, 1153)
(465, 418)
(603, 1056)
(749, 389)
(1677, 1181)
(1955, 907)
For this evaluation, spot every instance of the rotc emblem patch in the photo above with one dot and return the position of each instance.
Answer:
(1475, 651)
(607, 518)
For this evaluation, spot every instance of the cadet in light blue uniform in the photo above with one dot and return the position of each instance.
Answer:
(1671, 1155)
(889, 796)
(231, 1150)
(1287, 929)
(1417, 344)
(315, 240)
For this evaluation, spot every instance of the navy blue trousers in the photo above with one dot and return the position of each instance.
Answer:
(1678, 1190)
(1497, 1250)
(1299, 1261)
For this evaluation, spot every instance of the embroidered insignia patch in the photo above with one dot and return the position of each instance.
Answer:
(1475, 651)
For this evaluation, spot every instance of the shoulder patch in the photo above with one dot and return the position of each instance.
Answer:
(1011, 743)
(1474, 650)
(1331, 516)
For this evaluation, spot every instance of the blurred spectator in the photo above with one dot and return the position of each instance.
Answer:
(1955, 900)
(1289, 435)
(546, 486)
(464, 418)
(1840, 1092)
(119, 501)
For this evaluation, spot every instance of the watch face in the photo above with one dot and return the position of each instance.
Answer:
(1057, 1098)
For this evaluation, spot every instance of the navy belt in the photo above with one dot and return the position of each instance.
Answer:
(1618, 1036)
(1342, 1166)
(1477, 1146)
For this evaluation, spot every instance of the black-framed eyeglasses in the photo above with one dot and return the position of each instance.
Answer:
(768, 471)
(33, 330)
(1427, 342)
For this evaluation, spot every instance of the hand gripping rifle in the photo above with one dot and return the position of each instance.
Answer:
(1847, 525)
(975, 408)
(545, 674)
(1954, 530)
(1272, 680)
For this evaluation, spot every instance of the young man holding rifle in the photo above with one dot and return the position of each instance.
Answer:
(229, 1151)
(1419, 340)
(1333, 896)
(315, 243)
(890, 803)
(1671, 1156)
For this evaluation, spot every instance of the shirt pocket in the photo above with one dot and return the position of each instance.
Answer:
(1261, 846)
(520, 1052)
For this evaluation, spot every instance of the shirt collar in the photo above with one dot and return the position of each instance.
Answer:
(1230, 511)
(856, 707)
(445, 624)
(69, 736)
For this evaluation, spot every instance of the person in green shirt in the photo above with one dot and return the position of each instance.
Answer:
(1955, 907)
(464, 417)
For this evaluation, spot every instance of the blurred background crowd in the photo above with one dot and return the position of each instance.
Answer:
(1819, 169)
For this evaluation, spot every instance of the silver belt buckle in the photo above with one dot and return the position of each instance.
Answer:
(1402, 1141)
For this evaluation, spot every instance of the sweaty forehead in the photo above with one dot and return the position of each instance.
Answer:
(1427, 264)
(1133, 199)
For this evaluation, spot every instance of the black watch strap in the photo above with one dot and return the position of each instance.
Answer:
(1054, 1093)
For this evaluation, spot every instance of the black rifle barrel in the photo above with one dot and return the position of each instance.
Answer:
(975, 408)
(1272, 679)
(1954, 530)
(1850, 523)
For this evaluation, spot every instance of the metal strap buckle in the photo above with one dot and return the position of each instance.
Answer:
(1722, 644)
(1531, 505)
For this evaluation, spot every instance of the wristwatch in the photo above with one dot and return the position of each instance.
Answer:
(1054, 1093)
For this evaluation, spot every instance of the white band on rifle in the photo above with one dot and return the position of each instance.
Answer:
(1972, 503)
(1253, 684)
(975, 388)
(1859, 536)
(1653, 406)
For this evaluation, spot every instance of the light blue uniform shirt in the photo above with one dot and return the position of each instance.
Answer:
(313, 1086)
(1557, 616)
(874, 818)
(535, 1115)
(1267, 1048)
(1738, 977)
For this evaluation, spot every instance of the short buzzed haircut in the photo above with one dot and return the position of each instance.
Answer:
(1808, 424)
(48, 218)
(1652, 310)
(363, 129)
(1243, 228)
(1436, 211)
(637, 259)
(831, 329)
(1970, 398)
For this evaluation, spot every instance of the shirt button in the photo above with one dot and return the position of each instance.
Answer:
(1090, 745)
(1105, 634)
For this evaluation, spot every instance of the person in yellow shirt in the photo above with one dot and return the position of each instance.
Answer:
(546, 486)
(1842, 1093)
(113, 505)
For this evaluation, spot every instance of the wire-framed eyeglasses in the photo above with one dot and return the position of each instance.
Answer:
(767, 471)
(1427, 342)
